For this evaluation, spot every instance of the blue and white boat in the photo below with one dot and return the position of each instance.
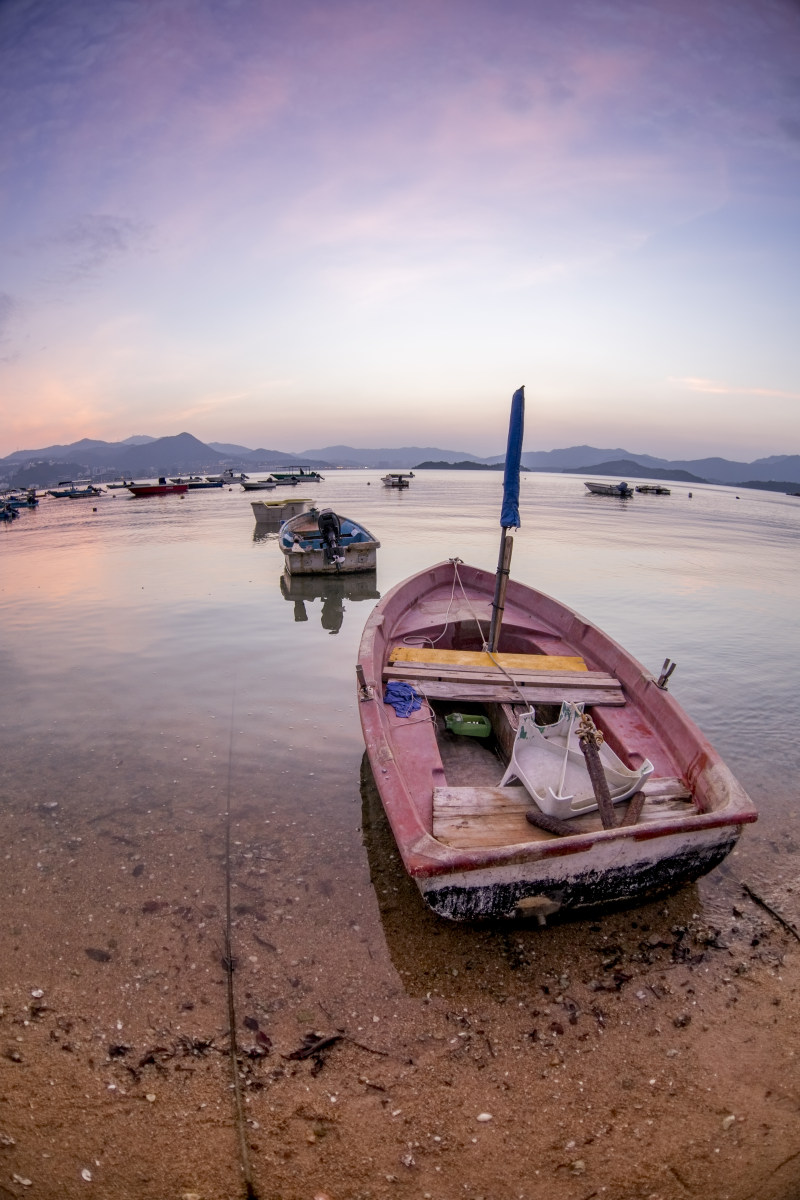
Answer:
(321, 542)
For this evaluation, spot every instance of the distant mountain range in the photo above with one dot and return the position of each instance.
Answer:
(145, 457)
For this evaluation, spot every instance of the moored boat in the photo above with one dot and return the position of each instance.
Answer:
(653, 489)
(297, 474)
(456, 669)
(162, 488)
(259, 485)
(321, 542)
(27, 499)
(79, 490)
(228, 476)
(274, 512)
(397, 479)
(609, 489)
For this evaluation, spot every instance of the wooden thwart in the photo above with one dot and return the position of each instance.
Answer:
(471, 817)
(426, 656)
(476, 674)
(509, 693)
(465, 682)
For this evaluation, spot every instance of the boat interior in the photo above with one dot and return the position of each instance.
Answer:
(306, 528)
(484, 703)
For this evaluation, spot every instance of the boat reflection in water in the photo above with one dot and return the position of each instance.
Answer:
(332, 590)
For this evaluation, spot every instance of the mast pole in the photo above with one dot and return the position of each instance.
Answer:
(499, 602)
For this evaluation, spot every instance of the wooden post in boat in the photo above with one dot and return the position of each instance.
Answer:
(590, 739)
(499, 602)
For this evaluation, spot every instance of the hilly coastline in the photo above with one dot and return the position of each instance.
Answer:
(145, 457)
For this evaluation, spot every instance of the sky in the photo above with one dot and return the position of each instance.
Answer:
(295, 223)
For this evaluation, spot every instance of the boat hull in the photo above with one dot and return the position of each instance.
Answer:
(159, 489)
(356, 559)
(515, 869)
(590, 879)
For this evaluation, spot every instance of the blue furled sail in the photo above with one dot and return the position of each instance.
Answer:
(509, 516)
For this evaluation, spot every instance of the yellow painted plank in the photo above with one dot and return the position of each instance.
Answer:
(480, 658)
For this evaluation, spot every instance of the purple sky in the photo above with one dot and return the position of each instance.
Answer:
(299, 223)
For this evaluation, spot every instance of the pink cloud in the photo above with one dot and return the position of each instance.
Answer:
(713, 387)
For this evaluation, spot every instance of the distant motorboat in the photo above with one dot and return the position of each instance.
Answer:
(80, 489)
(259, 485)
(397, 479)
(653, 489)
(609, 489)
(228, 476)
(297, 474)
(27, 499)
(162, 488)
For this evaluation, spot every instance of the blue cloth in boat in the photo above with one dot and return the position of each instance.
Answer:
(402, 697)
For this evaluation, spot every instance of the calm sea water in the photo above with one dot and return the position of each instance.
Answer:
(149, 649)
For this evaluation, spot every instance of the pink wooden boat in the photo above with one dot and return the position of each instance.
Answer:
(466, 840)
(469, 682)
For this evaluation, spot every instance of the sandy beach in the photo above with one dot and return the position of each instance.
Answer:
(644, 1055)
(159, 677)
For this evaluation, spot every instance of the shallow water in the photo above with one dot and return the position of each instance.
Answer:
(152, 655)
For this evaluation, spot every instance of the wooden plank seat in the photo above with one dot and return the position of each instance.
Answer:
(467, 682)
(470, 817)
(432, 655)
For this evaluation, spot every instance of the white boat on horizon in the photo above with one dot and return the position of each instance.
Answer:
(397, 479)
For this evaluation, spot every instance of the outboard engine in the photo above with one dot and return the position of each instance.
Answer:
(330, 529)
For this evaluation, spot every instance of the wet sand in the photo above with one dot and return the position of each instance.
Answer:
(643, 1055)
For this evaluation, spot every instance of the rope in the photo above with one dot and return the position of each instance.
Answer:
(244, 1150)
(419, 640)
(485, 643)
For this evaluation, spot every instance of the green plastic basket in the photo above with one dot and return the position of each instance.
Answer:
(468, 724)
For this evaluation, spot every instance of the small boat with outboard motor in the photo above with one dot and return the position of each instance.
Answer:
(21, 499)
(81, 489)
(322, 542)
(397, 479)
(297, 474)
(609, 489)
(259, 485)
